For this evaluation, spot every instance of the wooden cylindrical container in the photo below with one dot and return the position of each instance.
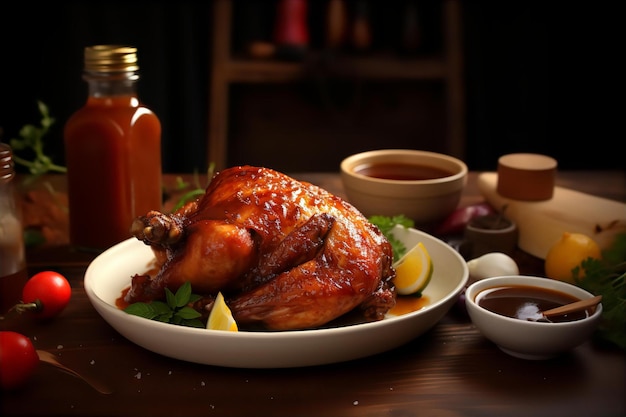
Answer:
(526, 176)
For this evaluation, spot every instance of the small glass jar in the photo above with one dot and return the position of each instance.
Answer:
(13, 273)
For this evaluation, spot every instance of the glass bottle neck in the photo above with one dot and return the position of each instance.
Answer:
(111, 84)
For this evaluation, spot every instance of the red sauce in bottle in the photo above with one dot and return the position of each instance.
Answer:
(113, 157)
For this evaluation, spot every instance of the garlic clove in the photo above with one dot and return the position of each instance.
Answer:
(492, 264)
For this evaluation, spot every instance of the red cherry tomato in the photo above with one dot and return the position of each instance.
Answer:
(18, 359)
(50, 291)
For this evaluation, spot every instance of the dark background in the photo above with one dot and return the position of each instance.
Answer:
(540, 76)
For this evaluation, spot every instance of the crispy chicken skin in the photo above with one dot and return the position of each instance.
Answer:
(286, 254)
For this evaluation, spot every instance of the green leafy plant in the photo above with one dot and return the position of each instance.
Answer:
(32, 139)
(607, 277)
(29, 151)
(195, 192)
(175, 310)
(386, 225)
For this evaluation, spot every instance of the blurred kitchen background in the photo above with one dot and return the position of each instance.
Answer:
(475, 79)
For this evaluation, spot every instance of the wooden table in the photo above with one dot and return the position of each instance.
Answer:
(449, 371)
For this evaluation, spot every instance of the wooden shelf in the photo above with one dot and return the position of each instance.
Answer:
(381, 68)
(228, 69)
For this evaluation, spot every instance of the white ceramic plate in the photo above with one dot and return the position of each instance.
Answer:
(110, 273)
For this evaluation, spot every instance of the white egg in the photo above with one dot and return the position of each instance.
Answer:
(492, 264)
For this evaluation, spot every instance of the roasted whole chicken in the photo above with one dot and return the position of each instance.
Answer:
(286, 254)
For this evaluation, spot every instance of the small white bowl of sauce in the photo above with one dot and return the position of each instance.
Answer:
(424, 186)
(507, 311)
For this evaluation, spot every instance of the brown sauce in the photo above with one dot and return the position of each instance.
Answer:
(11, 286)
(121, 303)
(526, 303)
(404, 172)
(408, 304)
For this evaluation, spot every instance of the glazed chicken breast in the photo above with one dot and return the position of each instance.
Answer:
(285, 254)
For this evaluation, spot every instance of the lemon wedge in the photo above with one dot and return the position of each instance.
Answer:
(413, 271)
(221, 318)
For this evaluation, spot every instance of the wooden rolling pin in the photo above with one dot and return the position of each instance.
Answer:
(542, 223)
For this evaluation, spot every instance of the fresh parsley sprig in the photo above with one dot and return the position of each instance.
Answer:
(175, 310)
(386, 225)
(32, 139)
(607, 277)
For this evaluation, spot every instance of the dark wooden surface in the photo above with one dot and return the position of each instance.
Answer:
(449, 371)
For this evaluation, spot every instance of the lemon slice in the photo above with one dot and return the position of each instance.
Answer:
(413, 271)
(221, 318)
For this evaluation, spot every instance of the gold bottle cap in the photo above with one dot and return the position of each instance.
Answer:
(111, 58)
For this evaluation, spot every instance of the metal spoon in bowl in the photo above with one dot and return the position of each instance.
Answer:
(567, 308)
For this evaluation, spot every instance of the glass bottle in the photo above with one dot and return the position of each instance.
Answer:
(291, 31)
(336, 24)
(13, 273)
(113, 152)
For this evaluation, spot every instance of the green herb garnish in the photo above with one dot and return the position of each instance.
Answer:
(175, 310)
(386, 225)
(31, 140)
(607, 277)
(195, 192)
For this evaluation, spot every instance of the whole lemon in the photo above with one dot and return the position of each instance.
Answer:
(568, 253)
